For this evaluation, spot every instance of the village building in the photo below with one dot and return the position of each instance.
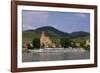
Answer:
(46, 42)
(87, 42)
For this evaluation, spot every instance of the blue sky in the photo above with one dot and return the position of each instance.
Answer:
(64, 21)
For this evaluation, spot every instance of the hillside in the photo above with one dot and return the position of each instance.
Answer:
(53, 33)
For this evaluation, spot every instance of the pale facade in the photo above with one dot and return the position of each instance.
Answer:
(45, 41)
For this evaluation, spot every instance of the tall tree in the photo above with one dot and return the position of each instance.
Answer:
(65, 42)
(36, 43)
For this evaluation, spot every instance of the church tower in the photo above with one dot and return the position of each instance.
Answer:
(45, 41)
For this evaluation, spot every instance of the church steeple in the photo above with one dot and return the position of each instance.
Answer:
(43, 34)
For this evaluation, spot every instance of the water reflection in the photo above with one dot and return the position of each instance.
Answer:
(36, 56)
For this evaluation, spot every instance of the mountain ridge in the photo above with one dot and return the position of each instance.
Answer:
(53, 33)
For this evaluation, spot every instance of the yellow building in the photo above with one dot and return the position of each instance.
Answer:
(45, 41)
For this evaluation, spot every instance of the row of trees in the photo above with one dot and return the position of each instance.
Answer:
(64, 42)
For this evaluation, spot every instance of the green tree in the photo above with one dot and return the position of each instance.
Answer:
(36, 43)
(82, 44)
(65, 42)
(73, 45)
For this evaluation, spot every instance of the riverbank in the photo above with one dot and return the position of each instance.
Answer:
(57, 50)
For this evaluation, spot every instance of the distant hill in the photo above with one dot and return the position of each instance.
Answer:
(52, 33)
(79, 34)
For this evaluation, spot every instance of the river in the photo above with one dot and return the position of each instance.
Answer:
(54, 56)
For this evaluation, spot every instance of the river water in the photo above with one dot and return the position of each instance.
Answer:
(54, 56)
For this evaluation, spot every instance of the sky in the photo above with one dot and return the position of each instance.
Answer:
(63, 21)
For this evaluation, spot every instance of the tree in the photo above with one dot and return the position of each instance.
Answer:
(73, 45)
(85, 46)
(29, 46)
(65, 42)
(82, 44)
(36, 43)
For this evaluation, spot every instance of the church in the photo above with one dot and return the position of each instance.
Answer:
(46, 42)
